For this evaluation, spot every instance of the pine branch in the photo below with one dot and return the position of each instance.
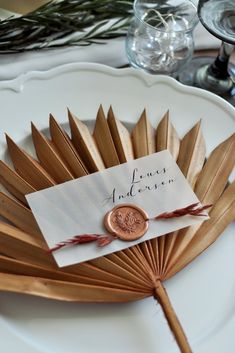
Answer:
(66, 22)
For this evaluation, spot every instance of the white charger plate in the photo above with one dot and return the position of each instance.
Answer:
(202, 294)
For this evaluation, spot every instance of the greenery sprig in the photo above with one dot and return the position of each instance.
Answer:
(66, 22)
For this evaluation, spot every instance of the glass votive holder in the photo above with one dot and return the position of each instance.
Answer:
(160, 37)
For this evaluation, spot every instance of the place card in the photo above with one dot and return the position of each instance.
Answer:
(153, 184)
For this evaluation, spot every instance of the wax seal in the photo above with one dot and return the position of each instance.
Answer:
(127, 222)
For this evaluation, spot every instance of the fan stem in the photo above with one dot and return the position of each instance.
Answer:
(162, 297)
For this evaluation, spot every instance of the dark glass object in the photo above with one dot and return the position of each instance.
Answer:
(215, 75)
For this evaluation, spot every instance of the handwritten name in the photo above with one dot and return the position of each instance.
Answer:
(135, 187)
(137, 178)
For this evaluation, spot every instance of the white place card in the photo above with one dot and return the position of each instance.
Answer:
(154, 183)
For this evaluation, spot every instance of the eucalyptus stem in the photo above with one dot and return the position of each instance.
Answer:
(66, 22)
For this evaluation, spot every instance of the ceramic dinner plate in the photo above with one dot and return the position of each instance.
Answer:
(202, 294)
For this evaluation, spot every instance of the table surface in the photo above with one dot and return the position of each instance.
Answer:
(212, 53)
(209, 52)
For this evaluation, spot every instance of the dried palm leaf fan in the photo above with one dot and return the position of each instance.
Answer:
(131, 274)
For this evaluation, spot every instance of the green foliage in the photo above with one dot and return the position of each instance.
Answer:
(66, 22)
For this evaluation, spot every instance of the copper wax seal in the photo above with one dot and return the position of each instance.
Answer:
(127, 222)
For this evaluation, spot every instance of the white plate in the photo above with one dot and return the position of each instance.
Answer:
(202, 294)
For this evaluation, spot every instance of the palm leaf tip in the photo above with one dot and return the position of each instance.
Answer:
(167, 137)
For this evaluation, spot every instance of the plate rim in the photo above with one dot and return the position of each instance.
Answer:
(17, 84)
